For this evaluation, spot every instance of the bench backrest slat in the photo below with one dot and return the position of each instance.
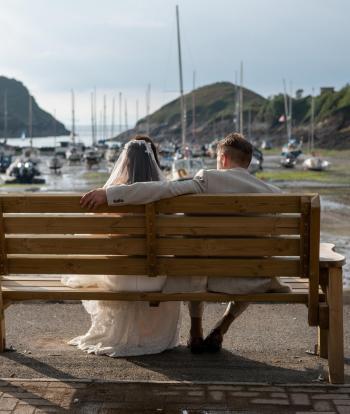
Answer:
(171, 266)
(136, 246)
(54, 203)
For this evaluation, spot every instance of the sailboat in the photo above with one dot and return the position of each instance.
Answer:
(314, 163)
(293, 148)
(55, 163)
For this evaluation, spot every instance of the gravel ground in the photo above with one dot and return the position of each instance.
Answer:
(268, 343)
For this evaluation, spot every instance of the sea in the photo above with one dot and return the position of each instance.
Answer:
(83, 135)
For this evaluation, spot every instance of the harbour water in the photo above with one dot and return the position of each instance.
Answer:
(83, 135)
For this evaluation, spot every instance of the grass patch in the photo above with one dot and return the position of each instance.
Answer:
(331, 176)
(327, 153)
(95, 175)
(18, 185)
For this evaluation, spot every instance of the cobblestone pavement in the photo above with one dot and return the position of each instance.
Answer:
(53, 396)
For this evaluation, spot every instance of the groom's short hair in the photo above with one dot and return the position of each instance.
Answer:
(237, 148)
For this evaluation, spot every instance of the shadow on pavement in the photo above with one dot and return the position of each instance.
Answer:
(224, 366)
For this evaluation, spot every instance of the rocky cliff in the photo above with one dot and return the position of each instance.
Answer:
(17, 97)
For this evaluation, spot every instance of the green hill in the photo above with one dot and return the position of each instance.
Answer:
(215, 110)
(332, 117)
(43, 124)
(216, 113)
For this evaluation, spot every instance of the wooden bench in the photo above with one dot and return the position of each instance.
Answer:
(44, 236)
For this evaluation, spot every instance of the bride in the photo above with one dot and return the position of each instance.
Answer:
(121, 328)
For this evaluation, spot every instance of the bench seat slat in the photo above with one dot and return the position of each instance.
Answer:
(64, 293)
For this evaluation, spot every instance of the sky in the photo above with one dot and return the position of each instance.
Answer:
(124, 45)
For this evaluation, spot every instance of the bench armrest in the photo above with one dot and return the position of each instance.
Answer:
(329, 258)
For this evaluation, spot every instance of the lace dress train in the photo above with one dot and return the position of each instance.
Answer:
(121, 328)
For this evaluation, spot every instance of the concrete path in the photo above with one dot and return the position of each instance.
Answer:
(267, 344)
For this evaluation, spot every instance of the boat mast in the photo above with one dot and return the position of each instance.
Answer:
(104, 117)
(286, 111)
(113, 117)
(73, 117)
(137, 115)
(30, 121)
(126, 113)
(54, 128)
(92, 120)
(236, 107)
(291, 110)
(148, 107)
(312, 119)
(182, 101)
(95, 114)
(194, 107)
(249, 123)
(120, 112)
(5, 116)
(241, 101)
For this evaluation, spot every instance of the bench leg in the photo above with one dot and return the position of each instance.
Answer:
(322, 346)
(2, 329)
(323, 329)
(336, 335)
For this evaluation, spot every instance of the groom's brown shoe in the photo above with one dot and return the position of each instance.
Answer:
(213, 342)
(196, 344)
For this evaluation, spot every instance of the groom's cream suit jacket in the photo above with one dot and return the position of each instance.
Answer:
(235, 180)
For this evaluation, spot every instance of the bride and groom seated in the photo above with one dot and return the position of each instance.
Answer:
(135, 328)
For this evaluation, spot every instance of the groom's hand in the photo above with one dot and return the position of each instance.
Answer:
(94, 199)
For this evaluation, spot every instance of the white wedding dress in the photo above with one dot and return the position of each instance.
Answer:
(121, 328)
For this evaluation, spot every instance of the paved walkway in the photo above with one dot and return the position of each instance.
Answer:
(253, 352)
(54, 396)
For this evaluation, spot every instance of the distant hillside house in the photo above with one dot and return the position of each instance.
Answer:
(326, 89)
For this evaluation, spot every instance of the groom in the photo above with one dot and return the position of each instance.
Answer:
(234, 154)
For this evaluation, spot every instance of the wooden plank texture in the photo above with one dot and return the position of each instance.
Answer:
(10, 282)
(74, 225)
(314, 254)
(117, 245)
(123, 265)
(202, 203)
(227, 226)
(22, 293)
(55, 203)
(231, 204)
(336, 327)
(70, 244)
